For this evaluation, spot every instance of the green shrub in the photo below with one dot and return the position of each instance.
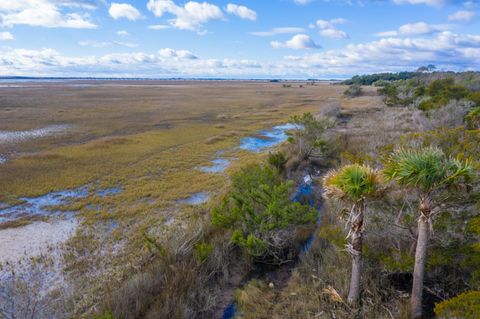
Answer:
(278, 161)
(394, 261)
(472, 257)
(259, 211)
(373, 78)
(475, 98)
(472, 119)
(353, 90)
(203, 250)
(309, 139)
(440, 92)
(107, 315)
(432, 96)
(427, 105)
(334, 234)
(390, 91)
(463, 306)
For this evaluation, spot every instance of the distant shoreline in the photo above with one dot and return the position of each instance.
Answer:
(53, 79)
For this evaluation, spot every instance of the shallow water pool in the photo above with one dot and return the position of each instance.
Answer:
(266, 139)
(196, 199)
(38, 206)
(7, 137)
(219, 165)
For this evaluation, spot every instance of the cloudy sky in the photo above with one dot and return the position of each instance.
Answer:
(237, 38)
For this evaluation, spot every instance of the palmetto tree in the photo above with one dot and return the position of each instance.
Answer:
(428, 171)
(353, 184)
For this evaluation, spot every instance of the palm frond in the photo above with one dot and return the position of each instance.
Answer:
(425, 168)
(352, 182)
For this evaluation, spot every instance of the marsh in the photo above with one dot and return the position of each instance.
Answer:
(89, 168)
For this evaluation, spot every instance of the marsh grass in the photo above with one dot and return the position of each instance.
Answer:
(148, 141)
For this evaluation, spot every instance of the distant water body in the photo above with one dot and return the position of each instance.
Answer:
(15, 80)
(59, 79)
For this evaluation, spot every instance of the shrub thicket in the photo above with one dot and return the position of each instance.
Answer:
(309, 138)
(465, 306)
(440, 92)
(369, 79)
(260, 213)
(472, 119)
(353, 90)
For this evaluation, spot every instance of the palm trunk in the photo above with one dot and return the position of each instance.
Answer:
(356, 251)
(420, 258)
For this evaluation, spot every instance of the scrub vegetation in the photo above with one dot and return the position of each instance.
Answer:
(261, 215)
(433, 157)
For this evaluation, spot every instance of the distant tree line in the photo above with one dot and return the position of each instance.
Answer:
(370, 79)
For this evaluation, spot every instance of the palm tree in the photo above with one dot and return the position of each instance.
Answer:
(428, 171)
(353, 184)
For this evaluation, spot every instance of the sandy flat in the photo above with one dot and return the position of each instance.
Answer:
(33, 239)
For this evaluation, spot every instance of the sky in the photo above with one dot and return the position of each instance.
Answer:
(294, 39)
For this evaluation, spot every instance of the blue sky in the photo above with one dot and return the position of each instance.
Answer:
(237, 38)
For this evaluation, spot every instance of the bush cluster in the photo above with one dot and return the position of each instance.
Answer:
(370, 79)
(353, 90)
(260, 213)
(466, 306)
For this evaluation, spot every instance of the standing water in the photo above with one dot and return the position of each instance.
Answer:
(196, 199)
(22, 136)
(267, 139)
(39, 206)
(219, 165)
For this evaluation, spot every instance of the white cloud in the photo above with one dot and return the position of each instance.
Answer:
(165, 63)
(180, 54)
(159, 26)
(418, 28)
(191, 16)
(44, 13)
(338, 21)
(447, 50)
(302, 2)
(6, 36)
(462, 16)
(242, 12)
(297, 42)
(328, 29)
(435, 3)
(83, 4)
(125, 44)
(124, 10)
(391, 33)
(94, 44)
(103, 44)
(122, 33)
(276, 31)
(333, 33)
